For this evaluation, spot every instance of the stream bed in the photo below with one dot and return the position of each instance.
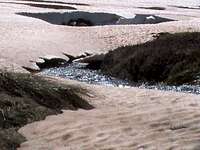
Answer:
(79, 72)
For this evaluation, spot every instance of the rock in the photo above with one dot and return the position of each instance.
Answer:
(93, 61)
(50, 61)
(170, 58)
(91, 58)
(73, 58)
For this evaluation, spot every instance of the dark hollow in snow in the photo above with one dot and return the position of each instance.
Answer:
(81, 18)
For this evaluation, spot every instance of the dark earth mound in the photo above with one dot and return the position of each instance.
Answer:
(25, 98)
(170, 58)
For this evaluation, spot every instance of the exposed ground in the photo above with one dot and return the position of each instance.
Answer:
(129, 118)
(170, 58)
(27, 98)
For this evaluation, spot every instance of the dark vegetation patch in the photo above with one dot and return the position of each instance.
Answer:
(56, 2)
(170, 58)
(10, 139)
(25, 98)
(153, 8)
(43, 5)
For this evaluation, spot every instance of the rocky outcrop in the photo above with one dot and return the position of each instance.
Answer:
(50, 61)
(170, 58)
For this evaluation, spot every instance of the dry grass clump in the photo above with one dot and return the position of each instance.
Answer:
(26, 98)
(170, 58)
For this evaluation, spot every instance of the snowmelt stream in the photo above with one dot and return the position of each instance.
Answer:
(79, 72)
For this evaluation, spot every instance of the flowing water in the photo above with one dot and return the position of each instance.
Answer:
(79, 72)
